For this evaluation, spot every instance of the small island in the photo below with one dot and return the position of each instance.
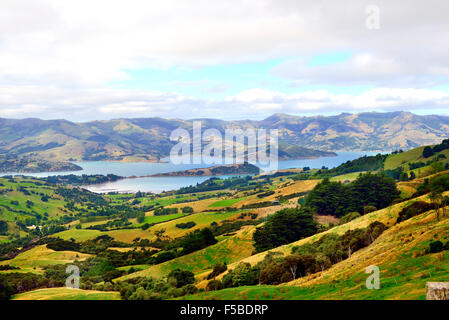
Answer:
(221, 170)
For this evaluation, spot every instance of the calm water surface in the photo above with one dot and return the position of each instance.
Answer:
(159, 184)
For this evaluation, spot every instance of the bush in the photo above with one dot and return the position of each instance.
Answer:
(273, 274)
(414, 209)
(6, 291)
(227, 281)
(435, 246)
(63, 245)
(165, 211)
(145, 226)
(187, 210)
(349, 217)
(368, 209)
(214, 285)
(189, 289)
(186, 225)
(181, 278)
(218, 269)
(164, 256)
(197, 240)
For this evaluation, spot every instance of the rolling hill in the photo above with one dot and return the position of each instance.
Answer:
(119, 253)
(147, 139)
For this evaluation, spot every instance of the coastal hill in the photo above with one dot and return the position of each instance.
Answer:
(27, 165)
(303, 234)
(147, 139)
(242, 168)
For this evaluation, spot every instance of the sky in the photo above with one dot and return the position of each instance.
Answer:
(103, 59)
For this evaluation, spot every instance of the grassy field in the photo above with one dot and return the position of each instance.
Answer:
(396, 160)
(67, 294)
(152, 219)
(344, 177)
(399, 253)
(41, 256)
(78, 234)
(229, 250)
(13, 197)
(225, 203)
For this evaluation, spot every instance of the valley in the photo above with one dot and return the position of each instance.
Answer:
(302, 233)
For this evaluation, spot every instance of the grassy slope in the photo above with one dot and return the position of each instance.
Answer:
(53, 207)
(225, 203)
(415, 155)
(396, 160)
(229, 250)
(41, 256)
(67, 294)
(399, 253)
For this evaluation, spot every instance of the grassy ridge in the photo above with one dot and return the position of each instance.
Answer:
(67, 294)
(229, 250)
(399, 253)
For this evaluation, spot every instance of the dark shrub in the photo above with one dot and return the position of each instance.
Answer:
(63, 245)
(435, 246)
(369, 209)
(218, 269)
(214, 285)
(182, 277)
(414, 209)
(187, 225)
(349, 217)
(187, 210)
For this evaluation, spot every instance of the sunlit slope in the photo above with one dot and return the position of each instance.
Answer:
(67, 294)
(229, 250)
(40, 256)
(399, 253)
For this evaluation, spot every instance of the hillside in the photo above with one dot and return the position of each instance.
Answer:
(233, 238)
(232, 169)
(399, 253)
(27, 165)
(147, 139)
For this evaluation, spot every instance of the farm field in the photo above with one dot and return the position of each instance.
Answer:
(67, 294)
(223, 245)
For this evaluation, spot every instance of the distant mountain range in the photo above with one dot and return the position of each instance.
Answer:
(147, 139)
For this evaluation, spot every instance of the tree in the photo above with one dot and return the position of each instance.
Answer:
(334, 198)
(437, 198)
(6, 291)
(197, 240)
(427, 152)
(328, 198)
(140, 217)
(214, 285)
(292, 262)
(285, 226)
(187, 210)
(3, 227)
(323, 261)
(180, 278)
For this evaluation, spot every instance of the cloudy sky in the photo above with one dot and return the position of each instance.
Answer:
(100, 59)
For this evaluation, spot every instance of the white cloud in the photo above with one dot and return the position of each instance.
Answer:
(89, 104)
(57, 57)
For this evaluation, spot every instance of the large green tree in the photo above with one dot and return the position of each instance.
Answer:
(337, 199)
(285, 226)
